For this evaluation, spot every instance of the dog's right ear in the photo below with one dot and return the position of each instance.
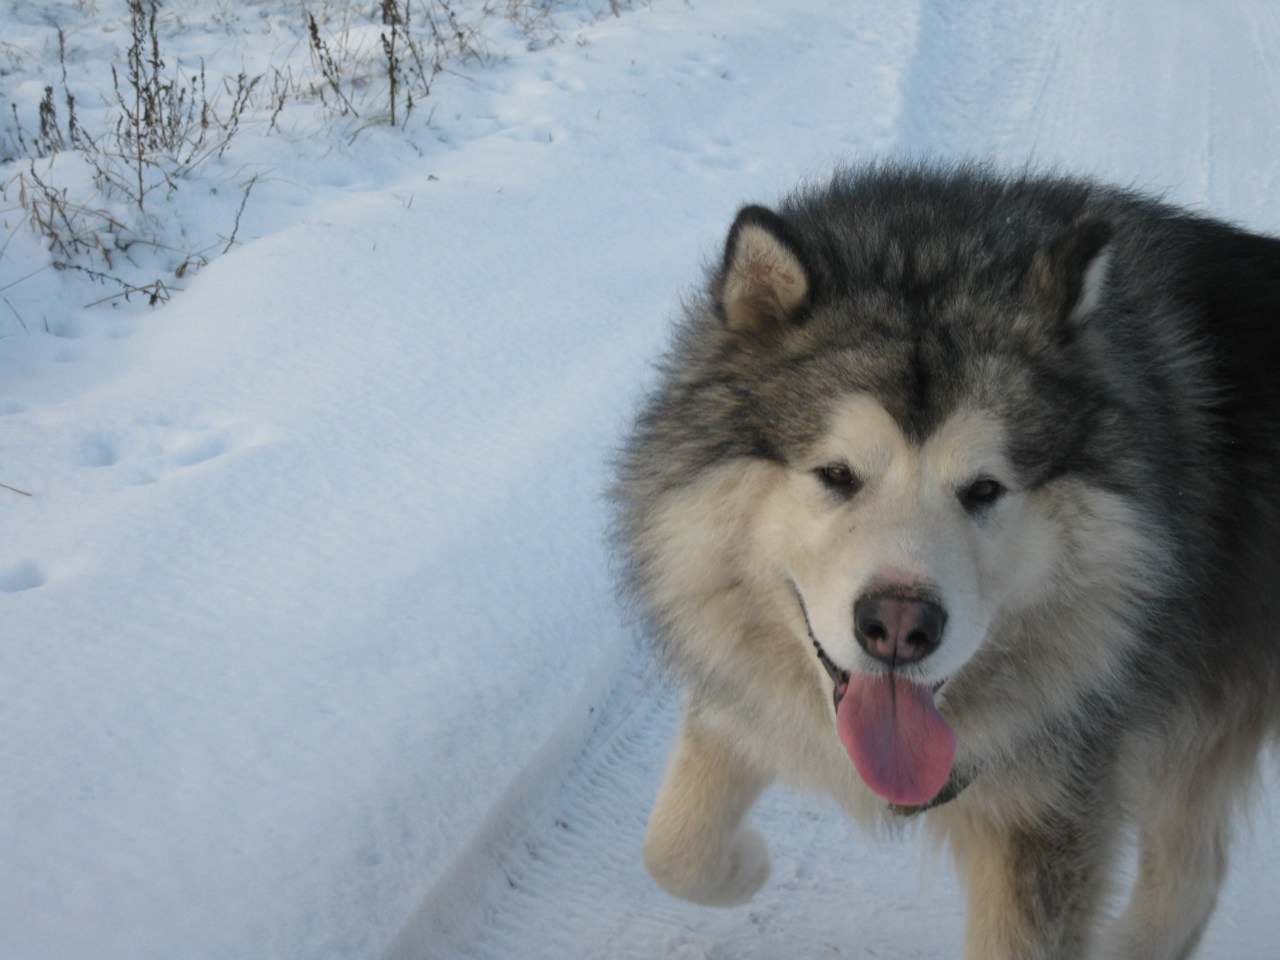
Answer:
(764, 282)
(1069, 273)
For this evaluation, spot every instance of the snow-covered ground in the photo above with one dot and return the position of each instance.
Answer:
(308, 641)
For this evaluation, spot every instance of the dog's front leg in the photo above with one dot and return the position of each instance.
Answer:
(697, 846)
(1033, 892)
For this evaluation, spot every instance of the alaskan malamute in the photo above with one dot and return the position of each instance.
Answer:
(960, 495)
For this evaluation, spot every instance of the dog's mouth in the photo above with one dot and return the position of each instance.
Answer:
(891, 728)
(901, 746)
(840, 678)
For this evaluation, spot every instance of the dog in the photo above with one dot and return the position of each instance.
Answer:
(958, 498)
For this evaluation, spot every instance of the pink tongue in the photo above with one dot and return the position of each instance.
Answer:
(900, 744)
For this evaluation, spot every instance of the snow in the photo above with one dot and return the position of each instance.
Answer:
(309, 644)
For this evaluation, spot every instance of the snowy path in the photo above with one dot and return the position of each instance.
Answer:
(308, 642)
(1149, 96)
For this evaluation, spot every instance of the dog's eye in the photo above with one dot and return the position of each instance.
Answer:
(839, 477)
(981, 493)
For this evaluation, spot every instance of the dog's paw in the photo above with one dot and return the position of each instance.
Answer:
(748, 869)
(728, 880)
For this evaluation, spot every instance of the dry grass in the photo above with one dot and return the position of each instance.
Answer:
(373, 62)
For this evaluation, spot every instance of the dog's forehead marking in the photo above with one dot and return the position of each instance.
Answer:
(967, 441)
(860, 428)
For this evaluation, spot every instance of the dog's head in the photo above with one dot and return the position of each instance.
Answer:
(903, 421)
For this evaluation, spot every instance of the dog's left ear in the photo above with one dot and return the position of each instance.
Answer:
(764, 282)
(1069, 273)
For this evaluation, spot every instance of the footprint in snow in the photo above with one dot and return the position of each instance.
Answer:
(98, 451)
(24, 576)
(189, 452)
(149, 451)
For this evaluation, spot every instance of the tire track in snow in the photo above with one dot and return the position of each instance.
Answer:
(533, 854)
(1169, 98)
(981, 78)
(561, 875)
(1245, 127)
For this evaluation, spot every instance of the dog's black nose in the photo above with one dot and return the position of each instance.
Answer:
(896, 629)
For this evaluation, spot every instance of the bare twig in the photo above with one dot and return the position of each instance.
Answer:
(243, 200)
